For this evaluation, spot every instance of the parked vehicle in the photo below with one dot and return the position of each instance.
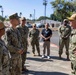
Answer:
(29, 25)
(40, 25)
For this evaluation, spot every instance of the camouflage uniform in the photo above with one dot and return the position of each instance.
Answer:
(64, 32)
(4, 59)
(24, 34)
(72, 48)
(34, 34)
(14, 45)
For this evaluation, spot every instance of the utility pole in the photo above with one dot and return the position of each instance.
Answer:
(2, 12)
(45, 4)
(34, 15)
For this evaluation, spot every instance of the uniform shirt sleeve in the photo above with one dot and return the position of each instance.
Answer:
(1, 53)
(30, 34)
(72, 47)
(59, 30)
(38, 32)
(69, 32)
(20, 41)
(9, 43)
(27, 32)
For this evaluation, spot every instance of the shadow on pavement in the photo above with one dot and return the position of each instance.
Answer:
(44, 73)
(56, 57)
(28, 52)
(39, 59)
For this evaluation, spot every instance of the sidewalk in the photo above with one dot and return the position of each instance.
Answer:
(53, 66)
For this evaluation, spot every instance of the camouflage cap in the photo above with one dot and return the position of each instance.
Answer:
(73, 17)
(2, 25)
(14, 16)
(23, 19)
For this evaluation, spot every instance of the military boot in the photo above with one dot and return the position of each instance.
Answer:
(24, 69)
(59, 56)
(68, 57)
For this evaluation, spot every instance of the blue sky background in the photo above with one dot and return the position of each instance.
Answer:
(26, 7)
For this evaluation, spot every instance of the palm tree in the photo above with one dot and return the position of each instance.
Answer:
(20, 14)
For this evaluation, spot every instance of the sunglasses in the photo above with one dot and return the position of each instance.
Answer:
(34, 26)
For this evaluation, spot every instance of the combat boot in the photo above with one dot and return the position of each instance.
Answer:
(24, 69)
(68, 57)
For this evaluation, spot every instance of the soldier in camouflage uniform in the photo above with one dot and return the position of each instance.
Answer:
(72, 47)
(24, 34)
(34, 38)
(14, 45)
(4, 53)
(64, 32)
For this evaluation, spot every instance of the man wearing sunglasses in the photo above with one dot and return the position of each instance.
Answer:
(4, 53)
(34, 39)
(64, 33)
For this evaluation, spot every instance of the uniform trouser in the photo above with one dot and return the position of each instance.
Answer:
(1, 69)
(16, 64)
(73, 66)
(62, 43)
(33, 44)
(5, 65)
(23, 56)
(46, 44)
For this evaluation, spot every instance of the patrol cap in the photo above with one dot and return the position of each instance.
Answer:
(33, 24)
(73, 17)
(14, 16)
(2, 25)
(23, 19)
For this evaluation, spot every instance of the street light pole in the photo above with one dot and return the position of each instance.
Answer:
(34, 15)
(45, 4)
(2, 12)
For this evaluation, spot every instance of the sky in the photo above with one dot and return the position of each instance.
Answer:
(27, 7)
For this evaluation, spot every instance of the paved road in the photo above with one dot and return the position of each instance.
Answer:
(55, 38)
(53, 66)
